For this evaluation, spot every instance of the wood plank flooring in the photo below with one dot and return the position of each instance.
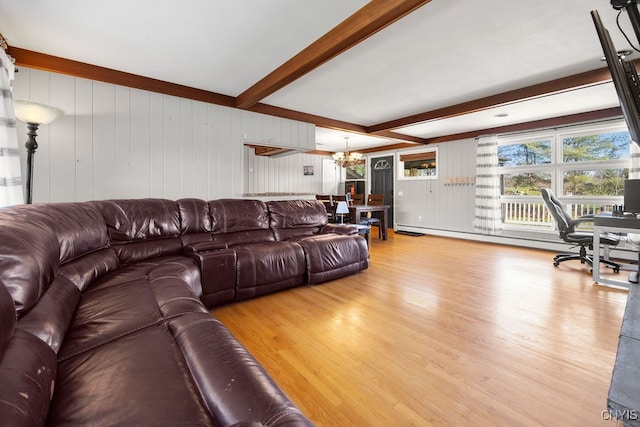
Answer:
(441, 332)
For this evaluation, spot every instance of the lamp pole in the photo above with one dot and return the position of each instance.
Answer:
(31, 145)
(34, 114)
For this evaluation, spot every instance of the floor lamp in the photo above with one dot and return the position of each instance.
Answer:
(33, 114)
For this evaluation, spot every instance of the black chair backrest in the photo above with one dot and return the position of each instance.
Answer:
(556, 209)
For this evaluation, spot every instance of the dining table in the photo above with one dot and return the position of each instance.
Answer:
(356, 212)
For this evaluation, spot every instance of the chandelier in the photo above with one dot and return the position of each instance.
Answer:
(347, 158)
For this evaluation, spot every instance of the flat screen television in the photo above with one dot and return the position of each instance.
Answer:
(632, 196)
(625, 80)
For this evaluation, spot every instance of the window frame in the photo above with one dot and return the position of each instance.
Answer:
(558, 167)
(401, 164)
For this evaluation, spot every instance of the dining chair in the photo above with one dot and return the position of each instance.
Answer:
(371, 220)
(327, 201)
(375, 199)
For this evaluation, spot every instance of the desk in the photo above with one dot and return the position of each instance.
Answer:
(614, 224)
(356, 212)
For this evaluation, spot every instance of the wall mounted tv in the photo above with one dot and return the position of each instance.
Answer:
(625, 79)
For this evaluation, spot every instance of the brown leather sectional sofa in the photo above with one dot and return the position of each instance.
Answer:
(104, 307)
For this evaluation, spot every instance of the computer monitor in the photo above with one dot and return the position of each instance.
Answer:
(632, 196)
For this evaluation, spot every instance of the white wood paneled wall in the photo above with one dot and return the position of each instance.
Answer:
(119, 142)
(443, 207)
(283, 174)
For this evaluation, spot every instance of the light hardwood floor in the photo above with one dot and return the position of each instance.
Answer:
(439, 332)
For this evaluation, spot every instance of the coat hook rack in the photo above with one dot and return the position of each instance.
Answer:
(460, 180)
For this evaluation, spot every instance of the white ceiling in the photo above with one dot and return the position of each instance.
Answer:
(445, 53)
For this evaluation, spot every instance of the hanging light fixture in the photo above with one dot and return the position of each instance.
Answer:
(347, 158)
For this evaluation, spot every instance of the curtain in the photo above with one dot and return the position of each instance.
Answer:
(634, 171)
(10, 174)
(488, 212)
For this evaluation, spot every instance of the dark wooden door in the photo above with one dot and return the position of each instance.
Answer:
(382, 181)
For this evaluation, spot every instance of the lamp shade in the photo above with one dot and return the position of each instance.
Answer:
(35, 112)
(342, 208)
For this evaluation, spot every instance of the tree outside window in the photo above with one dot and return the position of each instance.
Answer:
(526, 153)
(584, 165)
(595, 148)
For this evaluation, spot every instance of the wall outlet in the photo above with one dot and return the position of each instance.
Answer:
(420, 219)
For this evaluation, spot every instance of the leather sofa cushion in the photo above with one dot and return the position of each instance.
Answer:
(235, 386)
(30, 258)
(139, 379)
(78, 227)
(8, 318)
(130, 299)
(142, 219)
(28, 371)
(34, 245)
(133, 252)
(330, 256)
(245, 237)
(50, 318)
(176, 285)
(107, 313)
(294, 233)
(266, 263)
(234, 215)
(291, 219)
(85, 270)
(194, 216)
(297, 213)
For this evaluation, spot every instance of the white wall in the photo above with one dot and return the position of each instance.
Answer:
(283, 174)
(118, 142)
(441, 207)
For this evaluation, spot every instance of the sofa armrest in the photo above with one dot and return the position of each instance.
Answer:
(217, 275)
(199, 247)
(339, 229)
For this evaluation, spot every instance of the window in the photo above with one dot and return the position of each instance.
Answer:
(536, 152)
(585, 166)
(594, 182)
(594, 147)
(358, 171)
(525, 183)
(419, 165)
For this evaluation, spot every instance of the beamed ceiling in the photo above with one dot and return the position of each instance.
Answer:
(387, 74)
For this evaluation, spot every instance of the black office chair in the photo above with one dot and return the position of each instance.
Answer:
(567, 228)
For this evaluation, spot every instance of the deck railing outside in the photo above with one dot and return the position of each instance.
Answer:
(536, 214)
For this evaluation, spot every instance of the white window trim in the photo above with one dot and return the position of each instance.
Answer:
(400, 163)
(557, 167)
